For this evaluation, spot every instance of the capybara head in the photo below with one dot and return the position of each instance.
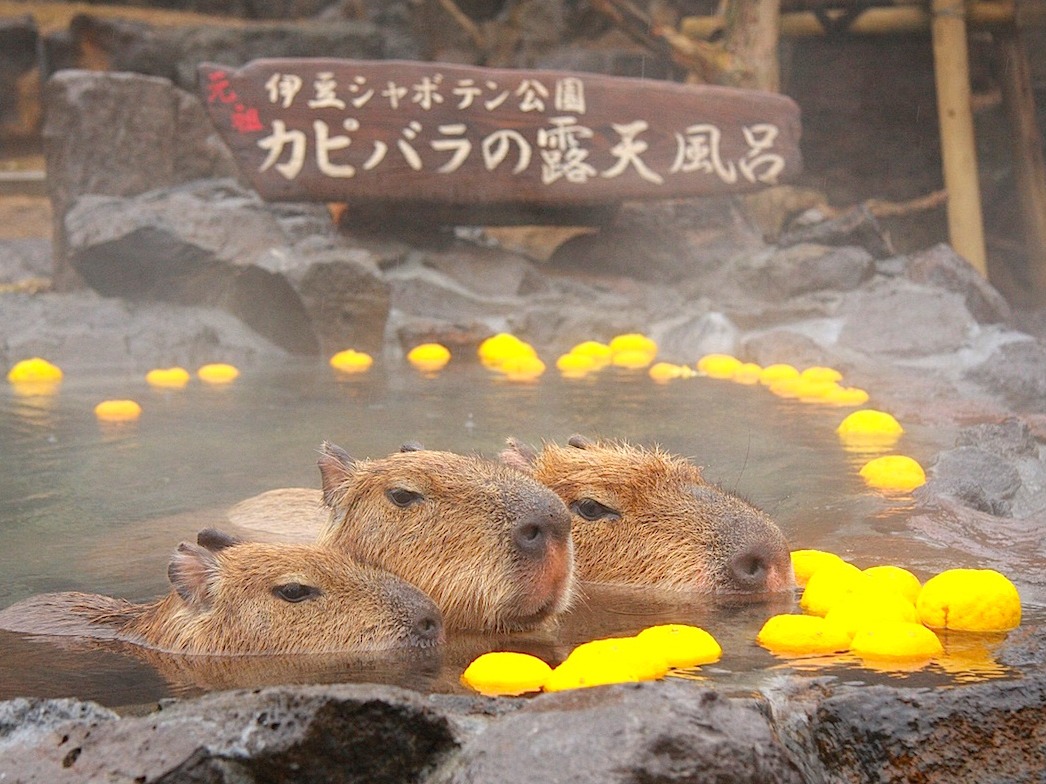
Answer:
(488, 543)
(646, 517)
(233, 597)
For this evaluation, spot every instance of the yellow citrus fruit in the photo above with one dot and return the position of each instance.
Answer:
(806, 562)
(34, 369)
(495, 349)
(790, 387)
(118, 410)
(718, 365)
(869, 427)
(665, 371)
(869, 607)
(599, 352)
(893, 473)
(681, 645)
(506, 673)
(777, 372)
(612, 660)
(632, 360)
(814, 391)
(747, 373)
(167, 378)
(218, 373)
(819, 374)
(429, 357)
(896, 640)
(576, 365)
(830, 584)
(523, 367)
(351, 361)
(845, 396)
(801, 634)
(896, 579)
(633, 341)
(972, 600)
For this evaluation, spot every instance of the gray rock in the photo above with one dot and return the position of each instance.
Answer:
(22, 718)
(1017, 374)
(975, 477)
(656, 732)
(89, 152)
(943, 268)
(303, 734)
(82, 329)
(663, 242)
(212, 243)
(803, 269)
(688, 338)
(783, 345)
(984, 732)
(24, 258)
(1010, 438)
(903, 320)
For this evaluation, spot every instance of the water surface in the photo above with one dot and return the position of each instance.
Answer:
(98, 507)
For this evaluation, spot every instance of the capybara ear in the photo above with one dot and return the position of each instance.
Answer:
(518, 455)
(190, 571)
(336, 466)
(580, 442)
(412, 446)
(215, 540)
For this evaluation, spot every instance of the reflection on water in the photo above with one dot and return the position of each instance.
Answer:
(97, 507)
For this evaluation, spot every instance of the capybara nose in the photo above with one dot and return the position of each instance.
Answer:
(542, 527)
(427, 626)
(750, 567)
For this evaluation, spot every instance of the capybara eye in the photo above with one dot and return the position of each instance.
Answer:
(402, 497)
(295, 592)
(591, 509)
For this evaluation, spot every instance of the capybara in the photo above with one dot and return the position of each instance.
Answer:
(489, 544)
(645, 517)
(235, 597)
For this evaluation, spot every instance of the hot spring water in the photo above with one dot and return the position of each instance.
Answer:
(98, 507)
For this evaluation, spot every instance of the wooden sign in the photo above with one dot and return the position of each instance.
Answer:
(435, 134)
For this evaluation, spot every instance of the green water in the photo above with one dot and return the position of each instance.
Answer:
(99, 507)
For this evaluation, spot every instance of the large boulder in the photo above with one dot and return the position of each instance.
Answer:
(212, 243)
(654, 732)
(120, 135)
(303, 734)
(984, 732)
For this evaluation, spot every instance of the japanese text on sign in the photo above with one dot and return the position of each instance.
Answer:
(560, 144)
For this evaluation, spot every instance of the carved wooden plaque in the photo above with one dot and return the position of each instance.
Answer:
(434, 134)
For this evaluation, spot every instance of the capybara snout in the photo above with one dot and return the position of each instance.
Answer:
(489, 544)
(645, 517)
(753, 555)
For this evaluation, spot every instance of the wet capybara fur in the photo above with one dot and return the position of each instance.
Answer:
(489, 544)
(233, 597)
(644, 517)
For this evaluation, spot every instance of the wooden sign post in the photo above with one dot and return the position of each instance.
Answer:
(475, 145)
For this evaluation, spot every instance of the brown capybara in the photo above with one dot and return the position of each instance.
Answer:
(644, 517)
(234, 597)
(489, 544)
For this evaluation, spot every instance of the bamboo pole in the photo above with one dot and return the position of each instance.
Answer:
(958, 150)
(872, 21)
(1028, 166)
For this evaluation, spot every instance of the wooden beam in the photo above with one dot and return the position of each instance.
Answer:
(958, 148)
(871, 21)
